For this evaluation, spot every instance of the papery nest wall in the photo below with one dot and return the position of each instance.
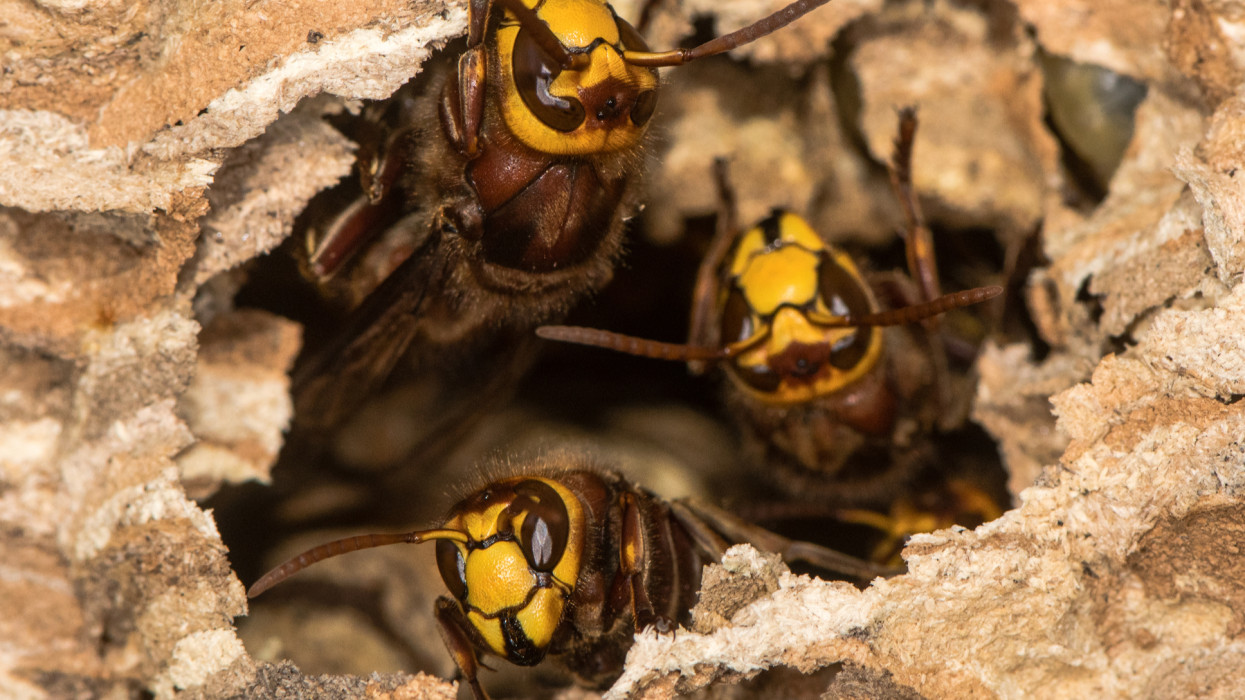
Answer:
(152, 148)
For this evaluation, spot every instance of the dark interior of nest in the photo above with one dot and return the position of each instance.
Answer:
(667, 428)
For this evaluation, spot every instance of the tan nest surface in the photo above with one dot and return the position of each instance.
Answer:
(149, 148)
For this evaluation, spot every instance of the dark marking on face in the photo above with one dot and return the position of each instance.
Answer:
(771, 226)
(520, 649)
(801, 362)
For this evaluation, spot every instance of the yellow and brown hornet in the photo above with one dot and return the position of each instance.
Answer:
(801, 336)
(568, 561)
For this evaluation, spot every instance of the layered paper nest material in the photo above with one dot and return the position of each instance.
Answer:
(149, 148)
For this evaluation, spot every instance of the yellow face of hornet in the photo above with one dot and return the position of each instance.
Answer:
(605, 107)
(514, 574)
(780, 274)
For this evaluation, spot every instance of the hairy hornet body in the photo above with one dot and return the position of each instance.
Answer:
(490, 205)
(568, 561)
(815, 374)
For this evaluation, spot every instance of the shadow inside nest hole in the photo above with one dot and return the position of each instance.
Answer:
(585, 396)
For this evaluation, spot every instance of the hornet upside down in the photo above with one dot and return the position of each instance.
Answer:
(799, 332)
(568, 561)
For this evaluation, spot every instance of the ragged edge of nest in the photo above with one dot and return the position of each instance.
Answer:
(1111, 577)
(117, 404)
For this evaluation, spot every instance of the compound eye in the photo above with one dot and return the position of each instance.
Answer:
(546, 525)
(736, 318)
(759, 377)
(844, 295)
(848, 351)
(453, 568)
(642, 110)
(631, 39)
(534, 72)
(646, 101)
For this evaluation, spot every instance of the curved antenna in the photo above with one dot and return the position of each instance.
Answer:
(726, 42)
(908, 314)
(345, 546)
(629, 344)
(643, 347)
(551, 45)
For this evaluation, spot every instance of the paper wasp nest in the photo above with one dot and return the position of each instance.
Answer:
(148, 150)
